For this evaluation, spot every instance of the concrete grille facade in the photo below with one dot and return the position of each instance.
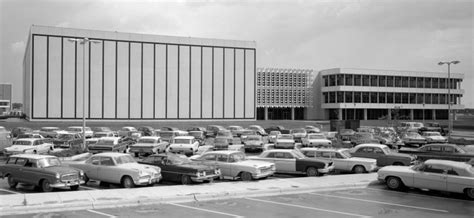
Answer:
(137, 76)
(5, 98)
(284, 93)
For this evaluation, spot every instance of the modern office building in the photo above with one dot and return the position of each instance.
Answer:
(364, 94)
(5, 98)
(284, 93)
(131, 76)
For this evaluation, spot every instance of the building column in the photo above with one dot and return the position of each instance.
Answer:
(339, 114)
(433, 114)
(411, 114)
(365, 113)
(389, 114)
(292, 113)
(265, 113)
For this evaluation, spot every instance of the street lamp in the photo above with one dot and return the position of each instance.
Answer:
(84, 41)
(449, 93)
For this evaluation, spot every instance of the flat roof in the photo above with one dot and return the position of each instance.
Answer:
(411, 73)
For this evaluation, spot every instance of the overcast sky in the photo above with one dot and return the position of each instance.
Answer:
(380, 34)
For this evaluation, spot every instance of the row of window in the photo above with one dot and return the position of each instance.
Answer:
(389, 81)
(281, 79)
(282, 97)
(389, 98)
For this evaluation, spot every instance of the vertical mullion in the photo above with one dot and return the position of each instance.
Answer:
(47, 76)
(103, 76)
(223, 83)
(62, 72)
(154, 79)
(116, 76)
(141, 96)
(254, 82)
(177, 96)
(89, 84)
(129, 60)
(212, 96)
(166, 83)
(32, 75)
(201, 87)
(189, 97)
(75, 79)
(245, 66)
(234, 84)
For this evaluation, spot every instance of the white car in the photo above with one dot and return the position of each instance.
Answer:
(184, 144)
(439, 175)
(87, 131)
(285, 141)
(316, 140)
(148, 145)
(342, 159)
(28, 146)
(272, 136)
(434, 137)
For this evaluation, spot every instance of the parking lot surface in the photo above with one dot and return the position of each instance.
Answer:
(372, 201)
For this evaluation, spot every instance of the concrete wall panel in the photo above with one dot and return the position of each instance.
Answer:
(95, 88)
(122, 80)
(207, 82)
(184, 82)
(135, 80)
(160, 81)
(239, 83)
(229, 73)
(172, 98)
(218, 82)
(148, 81)
(110, 79)
(249, 84)
(196, 81)
(54, 83)
(39, 76)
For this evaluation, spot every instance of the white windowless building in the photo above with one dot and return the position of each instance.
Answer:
(137, 76)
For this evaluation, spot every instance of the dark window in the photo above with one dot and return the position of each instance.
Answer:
(390, 98)
(452, 172)
(382, 81)
(434, 148)
(398, 81)
(20, 161)
(373, 80)
(404, 81)
(435, 83)
(427, 82)
(357, 80)
(365, 97)
(348, 96)
(340, 97)
(419, 82)
(398, 98)
(442, 83)
(412, 98)
(390, 81)
(357, 97)
(448, 149)
(11, 160)
(349, 80)
(340, 79)
(427, 98)
(373, 97)
(366, 80)
(332, 80)
(442, 99)
(435, 99)
(382, 98)
(332, 97)
(404, 98)
(326, 97)
(420, 98)
(413, 82)
(432, 169)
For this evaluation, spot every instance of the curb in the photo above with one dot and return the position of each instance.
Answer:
(92, 203)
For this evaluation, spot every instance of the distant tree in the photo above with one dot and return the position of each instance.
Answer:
(17, 105)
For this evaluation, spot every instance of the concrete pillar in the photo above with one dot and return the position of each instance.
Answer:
(411, 114)
(265, 113)
(339, 114)
(292, 113)
(433, 114)
(389, 114)
(365, 113)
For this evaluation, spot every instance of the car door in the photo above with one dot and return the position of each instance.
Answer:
(90, 168)
(431, 177)
(284, 162)
(108, 170)
(227, 168)
(17, 169)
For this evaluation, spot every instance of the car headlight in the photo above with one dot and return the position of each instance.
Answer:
(58, 176)
(81, 173)
(273, 167)
(217, 171)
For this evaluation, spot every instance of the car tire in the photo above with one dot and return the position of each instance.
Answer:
(46, 186)
(127, 182)
(186, 180)
(246, 176)
(11, 182)
(359, 169)
(74, 187)
(469, 193)
(86, 179)
(136, 154)
(312, 171)
(394, 183)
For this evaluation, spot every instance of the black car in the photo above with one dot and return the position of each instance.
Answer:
(277, 128)
(177, 168)
(68, 140)
(440, 151)
(196, 128)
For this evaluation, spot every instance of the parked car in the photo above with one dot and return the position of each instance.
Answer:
(434, 137)
(146, 130)
(28, 146)
(29, 135)
(298, 134)
(68, 140)
(211, 130)
(103, 132)
(434, 127)
(109, 144)
(235, 130)
(196, 128)
(118, 168)
(221, 144)
(342, 159)
(43, 171)
(294, 162)
(253, 142)
(235, 165)
(227, 135)
(363, 138)
(439, 175)
(179, 169)
(281, 129)
(312, 129)
(285, 141)
(49, 132)
(415, 126)
(382, 154)
(187, 145)
(147, 145)
(386, 138)
(16, 131)
(198, 135)
(78, 129)
(411, 138)
(169, 128)
(245, 133)
(316, 140)
(272, 136)
(440, 151)
(258, 129)
(129, 131)
(168, 136)
(345, 135)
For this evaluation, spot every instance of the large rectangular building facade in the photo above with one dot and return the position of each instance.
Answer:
(137, 76)
(365, 94)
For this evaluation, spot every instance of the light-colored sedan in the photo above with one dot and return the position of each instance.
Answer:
(434, 137)
(184, 144)
(148, 145)
(316, 140)
(342, 158)
(440, 175)
(411, 138)
(29, 146)
(118, 168)
(285, 141)
(235, 165)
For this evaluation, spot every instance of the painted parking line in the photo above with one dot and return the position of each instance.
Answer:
(210, 211)
(416, 195)
(13, 192)
(103, 214)
(381, 202)
(309, 208)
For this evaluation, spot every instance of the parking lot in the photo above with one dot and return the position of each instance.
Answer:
(373, 201)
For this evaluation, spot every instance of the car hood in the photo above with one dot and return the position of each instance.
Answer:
(60, 169)
(181, 145)
(143, 145)
(319, 140)
(436, 137)
(393, 154)
(19, 147)
(197, 166)
(255, 163)
(299, 134)
(397, 169)
(138, 166)
(251, 142)
(285, 141)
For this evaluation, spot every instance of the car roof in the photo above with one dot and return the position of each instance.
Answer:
(184, 137)
(28, 139)
(32, 156)
(110, 154)
(110, 138)
(223, 152)
(150, 137)
(371, 145)
(322, 149)
(450, 163)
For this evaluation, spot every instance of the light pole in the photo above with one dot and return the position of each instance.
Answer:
(84, 41)
(449, 93)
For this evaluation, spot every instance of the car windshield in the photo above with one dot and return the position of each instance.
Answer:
(101, 134)
(74, 129)
(298, 131)
(387, 150)
(238, 157)
(49, 129)
(177, 160)
(224, 134)
(418, 125)
(48, 162)
(65, 136)
(182, 141)
(298, 154)
(105, 142)
(253, 137)
(316, 137)
(166, 134)
(146, 141)
(285, 137)
(22, 143)
(220, 140)
(24, 136)
(124, 159)
(431, 134)
(346, 154)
